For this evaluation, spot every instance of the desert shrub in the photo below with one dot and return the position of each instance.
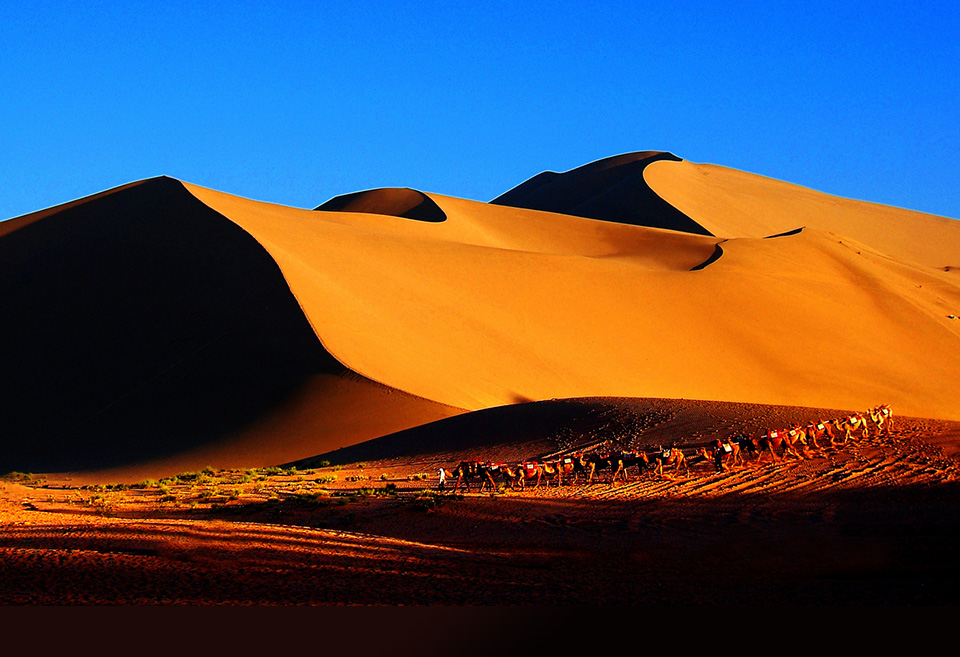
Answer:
(325, 479)
(389, 490)
(384, 476)
(18, 476)
(324, 464)
(337, 468)
(361, 466)
(426, 501)
(209, 471)
(318, 497)
(168, 498)
(146, 483)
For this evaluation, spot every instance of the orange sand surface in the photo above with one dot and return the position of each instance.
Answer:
(497, 304)
(872, 521)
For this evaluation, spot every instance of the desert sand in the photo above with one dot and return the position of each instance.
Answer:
(641, 300)
(874, 521)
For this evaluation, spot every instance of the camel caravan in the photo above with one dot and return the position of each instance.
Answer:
(777, 444)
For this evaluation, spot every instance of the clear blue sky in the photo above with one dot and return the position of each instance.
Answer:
(302, 101)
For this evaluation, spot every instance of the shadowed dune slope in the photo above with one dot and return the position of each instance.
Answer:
(397, 202)
(140, 326)
(611, 189)
(497, 305)
(732, 203)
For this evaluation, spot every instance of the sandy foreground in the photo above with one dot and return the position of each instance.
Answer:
(874, 521)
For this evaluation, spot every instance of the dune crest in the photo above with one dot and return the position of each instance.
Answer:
(397, 202)
(732, 203)
(611, 189)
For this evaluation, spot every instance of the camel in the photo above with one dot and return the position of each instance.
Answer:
(882, 419)
(596, 462)
(746, 444)
(731, 451)
(530, 470)
(797, 435)
(850, 424)
(818, 430)
(574, 465)
(625, 460)
(469, 470)
(668, 456)
(513, 477)
(780, 439)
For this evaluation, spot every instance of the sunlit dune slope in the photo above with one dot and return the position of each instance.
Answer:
(139, 325)
(732, 203)
(498, 304)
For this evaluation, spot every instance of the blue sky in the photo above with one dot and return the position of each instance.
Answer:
(296, 102)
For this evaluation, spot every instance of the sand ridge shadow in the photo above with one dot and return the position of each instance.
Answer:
(717, 253)
(139, 324)
(611, 189)
(392, 201)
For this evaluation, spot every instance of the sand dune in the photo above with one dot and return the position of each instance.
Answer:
(167, 324)
(734, 203)
(611, 189)
(140, 325)
(497, 305)
(396, 202)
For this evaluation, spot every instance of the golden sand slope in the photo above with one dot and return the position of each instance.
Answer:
(498, 304)
(733, 203)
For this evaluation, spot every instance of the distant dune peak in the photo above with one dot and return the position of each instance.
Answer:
(391, 201)
(611, 189)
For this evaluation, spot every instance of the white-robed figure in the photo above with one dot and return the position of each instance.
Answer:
(442, 476)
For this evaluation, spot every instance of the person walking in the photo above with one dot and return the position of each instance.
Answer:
(718, 455)
(442, 476)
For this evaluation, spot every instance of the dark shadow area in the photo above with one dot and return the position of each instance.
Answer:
(476, 430)
(717, 252)
(536, 429)
(392, 201)
(138, 324)
(612, 189)
(795, 231)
